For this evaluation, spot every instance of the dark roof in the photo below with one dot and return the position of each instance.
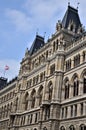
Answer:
(37, 44)
(3, 82)
(71, 15)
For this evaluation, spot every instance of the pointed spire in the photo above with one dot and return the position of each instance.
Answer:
(68, 2)
(78, 5)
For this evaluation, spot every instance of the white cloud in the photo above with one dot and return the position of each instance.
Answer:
(19, 19)
(35, 14)
(13, 68)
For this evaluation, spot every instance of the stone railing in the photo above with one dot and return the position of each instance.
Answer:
(75, 43)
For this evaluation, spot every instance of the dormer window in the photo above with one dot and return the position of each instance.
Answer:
(71, 28)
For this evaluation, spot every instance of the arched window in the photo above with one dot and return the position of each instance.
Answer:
(75, 86)
(83, 56)
(84, 83)
(71, 27)
(47, 54)
(75, 113)
(71, 127)
(44, 128)
(57, 44)
(47, 112)
(82, 127)
(62, 128)
(26, 101)
(35, 129)
(67, 89)
(81, 108)
(33, 98)
(68, 64)
(54, 48)
(71, 111)
(40, 93)
(50, 85)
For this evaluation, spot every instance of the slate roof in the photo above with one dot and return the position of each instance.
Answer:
(3, 82)
(71, 15)
(37, 44)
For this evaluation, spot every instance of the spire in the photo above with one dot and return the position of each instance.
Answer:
(37, 44)
(71, 19)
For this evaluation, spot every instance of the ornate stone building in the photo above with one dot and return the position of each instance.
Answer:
(50, 90)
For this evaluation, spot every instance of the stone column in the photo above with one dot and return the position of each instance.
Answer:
(37, 101)
(78, 109)
(29, 103)
(26, 120)
(56, 64)
(51, 112)
(73, 110)
(57, 85)
(80, 87)
(84, 108)
(69, 112)
(85, 55)
(81, 57)
(71, 91)
(64, 112)
(72, 62)
(45, 91)
(47, 69)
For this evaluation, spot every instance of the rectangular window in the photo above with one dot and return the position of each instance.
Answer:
(75, 110)
(66, 112)
(62, 115)
(71, 111)
(81, 108)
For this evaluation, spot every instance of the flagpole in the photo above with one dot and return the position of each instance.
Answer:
(4, 72)
(5, 69)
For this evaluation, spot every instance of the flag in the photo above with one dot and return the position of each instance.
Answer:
(6, 67)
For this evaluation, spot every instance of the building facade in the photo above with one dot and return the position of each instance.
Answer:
(50, 90)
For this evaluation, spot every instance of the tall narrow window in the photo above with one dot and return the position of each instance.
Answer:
(71, 111)
(54, 48)
(76, 87)
(36, 117)
(83, 56)
(31, 118)
(33, 96)
(84, 84)
(62, 113)
(75, 110)
(82, 127)
(50, 91)
(71, 127)
(81, 108)
(62, 128)
(66, 112)
(52, 69)
(47, 113)
(67, 89)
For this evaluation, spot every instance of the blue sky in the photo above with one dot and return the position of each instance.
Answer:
(19, 22)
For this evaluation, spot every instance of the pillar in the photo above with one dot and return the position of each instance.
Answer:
(69, 112)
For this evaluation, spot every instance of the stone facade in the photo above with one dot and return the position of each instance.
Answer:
(50, 90)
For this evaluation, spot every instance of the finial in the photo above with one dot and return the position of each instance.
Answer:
(44, 34)
(68, 2)
(37, 31)
(78, 5)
